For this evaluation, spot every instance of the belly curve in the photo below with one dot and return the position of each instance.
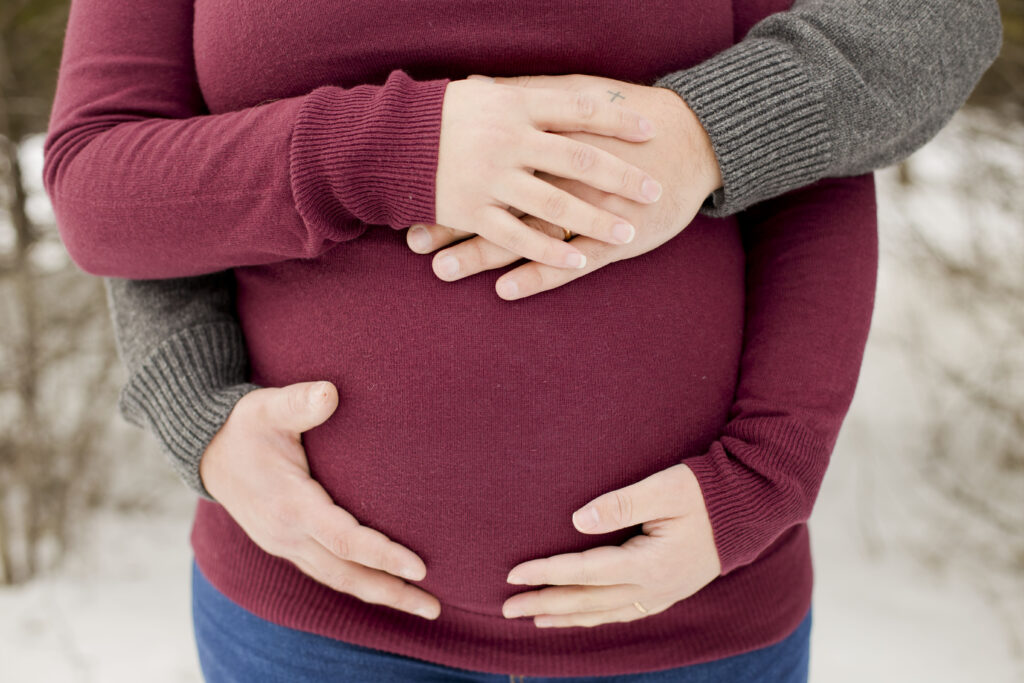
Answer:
(469, 428)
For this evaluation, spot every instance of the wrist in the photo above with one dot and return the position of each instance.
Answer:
(183, 392)
(765, 118)
(700, 150)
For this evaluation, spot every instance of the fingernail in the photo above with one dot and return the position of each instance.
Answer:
(419, 238)
(585, 518)
(651, 189)
(317, 394)
(512, 612)
(575, 260)
(623, 232)
(508, 289)
(646, 127)
(410, 573)
(448, 265)
(514, 578)
(425, 612)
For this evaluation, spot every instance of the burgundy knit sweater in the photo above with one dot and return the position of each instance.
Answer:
(292, 141)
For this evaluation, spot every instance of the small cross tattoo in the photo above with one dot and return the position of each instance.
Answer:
(615, 95)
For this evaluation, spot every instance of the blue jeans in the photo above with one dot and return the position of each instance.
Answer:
(235, 645)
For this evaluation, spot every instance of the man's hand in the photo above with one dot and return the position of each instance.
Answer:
(681, 156)
(256, 468)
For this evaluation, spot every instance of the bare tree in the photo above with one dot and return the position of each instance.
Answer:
(58, 363)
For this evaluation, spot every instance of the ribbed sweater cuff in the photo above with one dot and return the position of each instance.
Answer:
(766, 121)
(368, 152)
(757, 481)
(185, 390)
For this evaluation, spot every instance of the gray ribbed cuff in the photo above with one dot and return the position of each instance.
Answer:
(185, 390)
(766, 122)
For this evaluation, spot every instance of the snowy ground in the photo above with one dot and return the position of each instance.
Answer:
(119, 609)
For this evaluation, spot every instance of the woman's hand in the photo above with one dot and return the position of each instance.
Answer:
(494, 136)
(673, 559)
(681, 156)
(256, 468)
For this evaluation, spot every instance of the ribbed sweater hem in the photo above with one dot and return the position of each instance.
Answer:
(755, 606)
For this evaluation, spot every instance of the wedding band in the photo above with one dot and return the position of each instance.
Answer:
(568, 234)
(639, 607)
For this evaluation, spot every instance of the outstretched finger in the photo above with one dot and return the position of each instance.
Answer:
(369, 585)
(532, 277)
(479, 254)
(339, 532)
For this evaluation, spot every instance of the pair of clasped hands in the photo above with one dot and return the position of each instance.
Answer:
(517, 159)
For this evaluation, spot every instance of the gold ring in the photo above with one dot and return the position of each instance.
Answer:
(639, 607)
(568, 234)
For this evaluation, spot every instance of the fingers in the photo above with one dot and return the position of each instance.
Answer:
(566, 157)
(339, 532)
(478, 254)
(553, 204)
(507, 231)
(369, 585)
(299, 407)
(571, 599)
(627, 613)
(567, 110)
(602, 566)
(532, 278)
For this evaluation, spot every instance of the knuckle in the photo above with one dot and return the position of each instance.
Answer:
(514, 241)
(582, 157)
(477, 255)
(588, 603)
(382, 593)
(586, 572)
(343, 581)
(296, 400)
(626, 119)
(285, 515)
(341, 546)
(584, 105)
(555, 204)
(630, 179)
(601, 225)
(623, 507)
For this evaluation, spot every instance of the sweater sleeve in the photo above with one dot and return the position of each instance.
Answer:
(147, 183)
(812, 260)
(183, 348)
(834, 88)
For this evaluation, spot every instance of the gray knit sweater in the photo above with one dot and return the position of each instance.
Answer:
(829, 88)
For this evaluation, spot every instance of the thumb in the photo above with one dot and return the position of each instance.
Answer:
(647, 499)
(301, 406)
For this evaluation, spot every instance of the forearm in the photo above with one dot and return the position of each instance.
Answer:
(183, 347)
(147, 183)
(811, 265)
(834, 88)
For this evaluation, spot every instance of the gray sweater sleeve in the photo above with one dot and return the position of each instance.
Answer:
(835, 88)
(182, 344)
(829, 88)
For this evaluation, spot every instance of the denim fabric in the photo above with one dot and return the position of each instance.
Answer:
(236, 646)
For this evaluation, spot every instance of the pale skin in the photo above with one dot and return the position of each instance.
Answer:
(255, 465)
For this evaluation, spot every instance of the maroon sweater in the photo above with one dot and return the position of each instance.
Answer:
(292, 141)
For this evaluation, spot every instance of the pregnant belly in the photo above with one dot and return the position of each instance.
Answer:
(470, 428)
